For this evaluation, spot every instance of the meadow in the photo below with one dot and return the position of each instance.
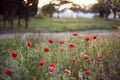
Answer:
(94, 57)
(38, 24)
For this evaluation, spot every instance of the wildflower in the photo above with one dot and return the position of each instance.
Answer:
(104, 77)
(51, 69)
(73, 59)
(41, 63)
(96, 62)
(8, 72)
(66, 71)
(94, 37)
(71, 45)
(100, 56)
(86, 57)
(111, 65)
(87, 38)
(87, 72)
(13, 54)
(75, 34)
(46, 49)
(52, 65)
(61, 42)
(50, 40)
(28, 44)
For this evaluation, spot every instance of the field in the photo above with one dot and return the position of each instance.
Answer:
(66, 24)
(93, 57)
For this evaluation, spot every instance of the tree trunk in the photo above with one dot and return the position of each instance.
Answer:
(27, 15)
(26, 23)
(101, 14)
(58, 14)
(19, 21)
(114, 15)
(4, 21)
(11, 23)
(119, 16)
(77, 14)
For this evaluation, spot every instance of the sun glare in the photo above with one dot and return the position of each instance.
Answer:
(25, 1)
(84, 2)
(42, 2)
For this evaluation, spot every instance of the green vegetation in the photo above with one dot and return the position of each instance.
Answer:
(103, 60)
(68, 24)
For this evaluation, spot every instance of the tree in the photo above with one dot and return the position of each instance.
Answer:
(28, 8)
(76, 8)
(20, 8)
(102, 7)
(115, 7)
(8, 11)
(48, 10)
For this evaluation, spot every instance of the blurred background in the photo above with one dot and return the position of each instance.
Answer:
(58, 15)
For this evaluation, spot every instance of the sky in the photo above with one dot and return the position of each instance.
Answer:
(85, 2)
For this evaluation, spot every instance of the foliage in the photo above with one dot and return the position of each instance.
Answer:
(116, 6)
(116, 3)
(48, 10)
(69, 58)
(102, 7)
(52, 7)
(20, 8)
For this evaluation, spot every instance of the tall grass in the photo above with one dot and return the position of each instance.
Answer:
(104, 50)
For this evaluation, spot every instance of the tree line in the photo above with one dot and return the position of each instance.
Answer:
(22, 9)
(103, 7)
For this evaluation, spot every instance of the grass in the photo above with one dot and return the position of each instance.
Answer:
(68, 24)
(26, 65)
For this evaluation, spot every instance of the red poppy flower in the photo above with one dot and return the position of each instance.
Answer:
(111, 65)
(73, 59)
(71, 45)
(50, 40)
(46, 49)
(51, 69)
(96, 62)
(87, 72)
(13, 54)
(104, 77)
(86, 57)
(8, 72)
(100, 56)
(61, 42)
(66, 71)
(41, 63)
(28, 44)
(87, 38)
(94, 37)
(52, 65)
(75, 34)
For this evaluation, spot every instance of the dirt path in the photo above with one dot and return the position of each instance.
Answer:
(60, 34)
